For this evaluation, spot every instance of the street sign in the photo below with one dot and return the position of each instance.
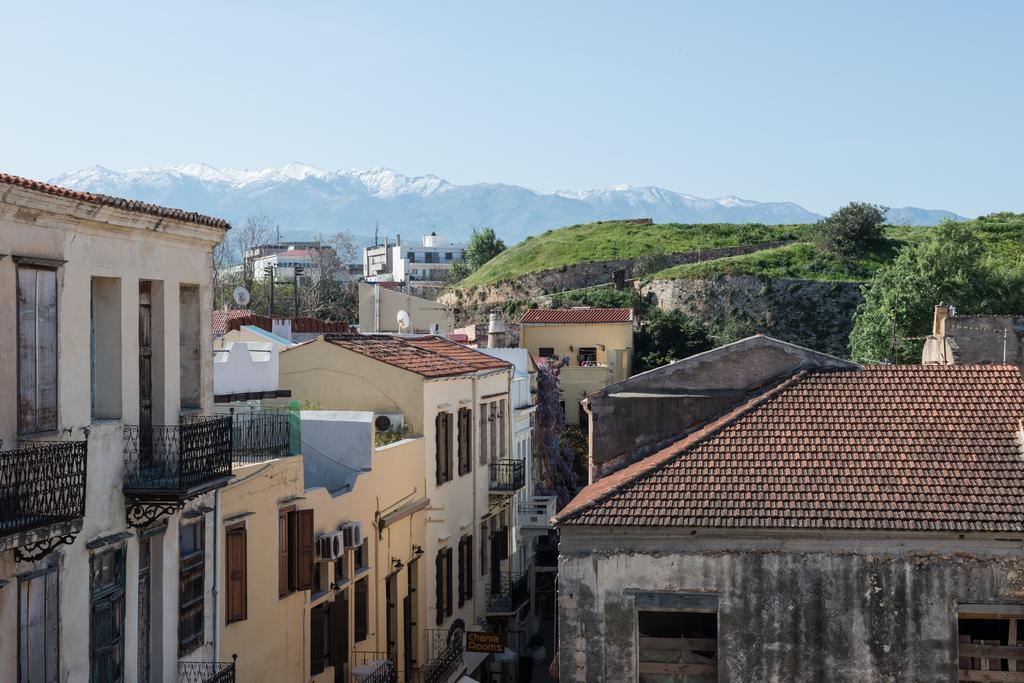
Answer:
(485, 642)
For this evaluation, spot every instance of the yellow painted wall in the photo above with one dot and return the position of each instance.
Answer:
(271, 642)
(422, 312)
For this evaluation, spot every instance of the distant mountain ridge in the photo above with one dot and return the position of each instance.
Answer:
(306, 200)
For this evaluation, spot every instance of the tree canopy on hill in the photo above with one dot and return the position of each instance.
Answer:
(850, 230)
(951, 264)
(483, 245)
(664, 337)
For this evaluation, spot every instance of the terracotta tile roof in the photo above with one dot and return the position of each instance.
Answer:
(117, 202)
(888, 448)
(221, 318)
(577, 316)
(427, 356)
(264, 322)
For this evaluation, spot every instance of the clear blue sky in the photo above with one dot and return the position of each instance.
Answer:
(902, 103)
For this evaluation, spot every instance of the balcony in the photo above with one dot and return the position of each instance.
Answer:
(373, 667)
(537, 513)
(507, 592)
(259, 436)
(207, 672)
(507, 476)
(42, 496)
(444, 655)
(166, 465)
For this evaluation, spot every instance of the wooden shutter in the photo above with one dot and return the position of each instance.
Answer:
(469, 568)
(438, 459)
(448, 583)
(305, 557)
(462, 571)
(316, 639)
(283, 561)
(449, 445)
(362, 607)
(483, 434)
(37, 350)
(236, 571)
(439, 593)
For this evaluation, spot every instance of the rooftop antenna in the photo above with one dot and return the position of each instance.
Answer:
(376, 233)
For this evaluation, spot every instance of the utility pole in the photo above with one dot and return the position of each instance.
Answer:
(296, 273)
(268, 270)
(892, 342)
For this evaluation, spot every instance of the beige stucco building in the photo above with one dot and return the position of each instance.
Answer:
(594, 347)
(379, 308)
(436, 504)
(107, 465)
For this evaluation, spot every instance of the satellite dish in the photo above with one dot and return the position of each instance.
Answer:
(403, 319)
(242, 297)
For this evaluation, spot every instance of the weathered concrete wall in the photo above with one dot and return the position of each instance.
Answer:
(840, 609)
(663, 403)
(977, 339)
(818, 315)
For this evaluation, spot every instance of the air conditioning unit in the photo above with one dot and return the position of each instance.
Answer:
(332, 546)
(385, 421)
(353, 534)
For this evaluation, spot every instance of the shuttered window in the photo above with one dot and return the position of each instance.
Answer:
(465, 570)
(448, 581)
(38, 628)
(362, 609)
(483, 434)
(462, 572)
(469, 568)
(439, 586)
(282, 553)
(37, 349)
(465, 441)
(443, 447)
(191, 594)
(304, 550)
(295, 551)
(236, 569)
(106, 618)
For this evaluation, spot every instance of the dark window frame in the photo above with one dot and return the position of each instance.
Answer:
(50, 577)
(236, 611)
(191, 603)
(550, 351)
(52, 421)
(107, 596)
(465, 426)
(361, 603)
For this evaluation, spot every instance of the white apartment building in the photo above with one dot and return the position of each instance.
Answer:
(109, 458)
(428, 261)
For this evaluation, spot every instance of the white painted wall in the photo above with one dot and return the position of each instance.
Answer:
(245, 367)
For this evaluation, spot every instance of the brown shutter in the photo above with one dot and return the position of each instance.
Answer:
(439, 588)
(469, 568)
(462, 571)
(469, 440)
(236, 571)
(304, 572)
(283, 562)
(448, 583)
(438, 455)
(37, 350)
(450, 446)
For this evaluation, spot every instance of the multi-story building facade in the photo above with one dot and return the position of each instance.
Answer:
(428, 261)
(453, 405)
(110, 457)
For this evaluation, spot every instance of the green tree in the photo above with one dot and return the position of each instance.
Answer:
(848, 230)
(948, 265)
(650, 263)
(482, 247)
(664, 337)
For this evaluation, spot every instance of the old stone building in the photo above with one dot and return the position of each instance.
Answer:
(964, 339)
(839, 525)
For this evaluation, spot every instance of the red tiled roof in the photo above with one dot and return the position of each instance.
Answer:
(117, 202)
(265, 322)
(221, 318)
(888, 448)
(428, 356)
(577, 316)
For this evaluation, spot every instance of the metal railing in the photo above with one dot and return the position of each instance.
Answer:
(42, 483)
(444, 654)
(260, 436)
(207, 672)
(177, 457)
(509, 593)
(373, 667)
(508, 475)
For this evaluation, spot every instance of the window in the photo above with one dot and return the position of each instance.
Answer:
(361, 557)
(465, 440)
(191, 589)
(443, 447)
(502, 439)
(105, 348)
(320, 638)
(294, 551)
(341, 568)
(465, 569)
(38, 628)
(483, 547)
(236, 570)
(37, 349)
(189, 345)
(492, 427)
(443, 588)
(448, 256)
(678, 637)
(362, 609)
(587, 355)
(546, 352)
(483, 433)
(106, 617)
(989, 637)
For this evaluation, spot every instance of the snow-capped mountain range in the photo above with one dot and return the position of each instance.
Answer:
(306, 200)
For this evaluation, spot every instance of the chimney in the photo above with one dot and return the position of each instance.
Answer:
(398, 240)
(939, 326)
(496, 332)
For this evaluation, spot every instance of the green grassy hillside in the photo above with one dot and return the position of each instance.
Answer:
(610, 240)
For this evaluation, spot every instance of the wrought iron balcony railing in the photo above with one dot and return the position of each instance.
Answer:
(373, 667)
(41, 484)
(507, 592)
(508, 475)
(174, 462)
(444, 654)
(260, 436)
(537, 512)
(207, 672)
